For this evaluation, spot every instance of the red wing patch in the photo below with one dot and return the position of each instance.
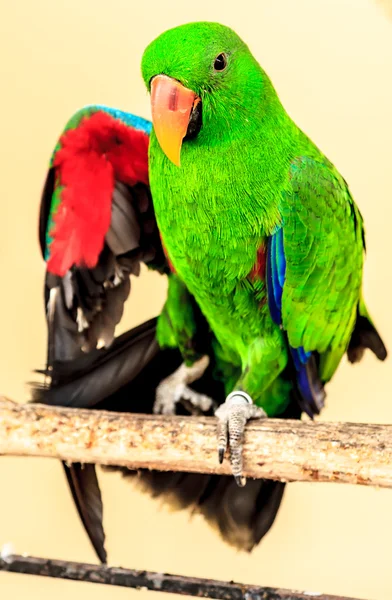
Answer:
(91, 157)
(258, 270)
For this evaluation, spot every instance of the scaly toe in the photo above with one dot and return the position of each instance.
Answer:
(232, 418)
(201, 401)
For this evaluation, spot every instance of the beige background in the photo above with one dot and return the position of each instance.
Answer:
(331, 62)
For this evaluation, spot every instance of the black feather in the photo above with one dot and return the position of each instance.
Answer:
(46, 201)
(90, 302)
(365, 335)
(124, 232)
(84, 486)
(95, 377)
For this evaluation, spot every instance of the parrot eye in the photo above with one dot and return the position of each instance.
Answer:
(220, 62)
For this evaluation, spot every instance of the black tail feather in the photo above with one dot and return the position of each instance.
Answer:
(243, 519)
(242, 516)
(86, 493)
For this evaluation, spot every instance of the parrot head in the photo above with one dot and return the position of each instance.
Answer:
(204, 82)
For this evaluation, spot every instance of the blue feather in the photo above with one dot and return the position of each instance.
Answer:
(305, 389)
(276, 270)
(127, 118)
(277, 288)
(280, 258)
(273, 307)
(276, 273)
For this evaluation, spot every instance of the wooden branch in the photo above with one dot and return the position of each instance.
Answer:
(274, 449)
(159, 582)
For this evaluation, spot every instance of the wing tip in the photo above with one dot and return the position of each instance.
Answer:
(365, 336)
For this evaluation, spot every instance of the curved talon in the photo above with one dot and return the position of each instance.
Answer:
(232, 418)
(240, 480)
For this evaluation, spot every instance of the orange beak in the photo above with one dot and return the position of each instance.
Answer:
(171, 107)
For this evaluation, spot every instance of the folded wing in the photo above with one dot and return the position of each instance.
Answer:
(314, 278)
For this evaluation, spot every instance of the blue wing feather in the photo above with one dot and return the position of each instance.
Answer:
(308, 383)
(280, 260)
(277, 287)
(275, 310)
(127, 118)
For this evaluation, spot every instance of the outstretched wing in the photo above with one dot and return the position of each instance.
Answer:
(314, 274)
(97, 225)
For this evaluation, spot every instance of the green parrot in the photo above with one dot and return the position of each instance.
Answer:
(263, 246)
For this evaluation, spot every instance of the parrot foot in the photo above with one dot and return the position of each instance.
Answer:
(174, 389)
(233, 415)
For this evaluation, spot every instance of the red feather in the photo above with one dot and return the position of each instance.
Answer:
(92, 156)
(258, 270)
